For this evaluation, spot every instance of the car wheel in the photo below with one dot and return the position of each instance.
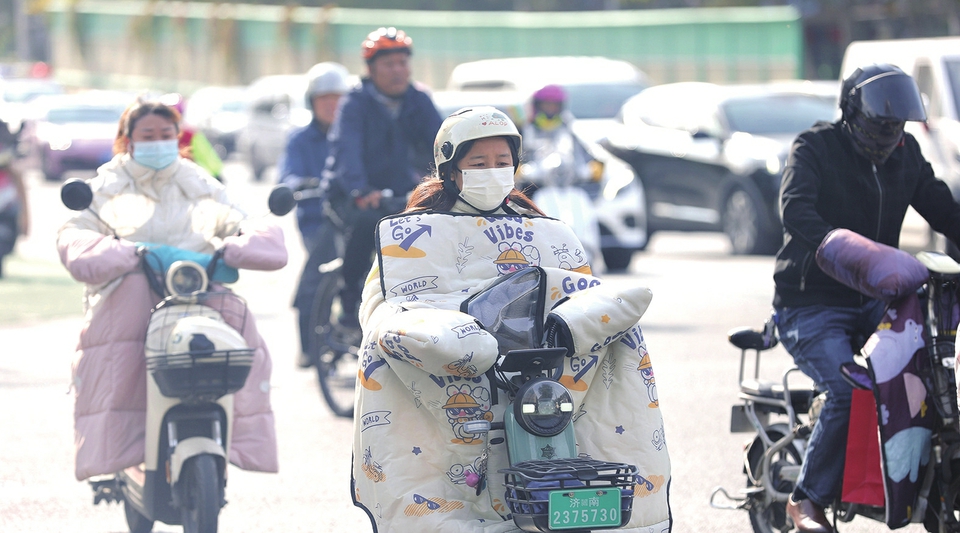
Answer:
(617, 259)
(50, 174)
(742, 224)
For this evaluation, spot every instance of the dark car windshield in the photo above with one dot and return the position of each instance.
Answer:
(599, 100)
(777, 113)
(953, 73)
(67, 115)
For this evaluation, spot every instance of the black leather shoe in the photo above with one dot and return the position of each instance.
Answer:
(807, 516)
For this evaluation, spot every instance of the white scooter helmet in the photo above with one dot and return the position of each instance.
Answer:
(469, 124)
(220, 337)
(326, 78)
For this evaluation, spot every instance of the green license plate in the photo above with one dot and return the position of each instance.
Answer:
(584, 508)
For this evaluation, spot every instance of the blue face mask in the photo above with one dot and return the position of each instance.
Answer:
(156, 154)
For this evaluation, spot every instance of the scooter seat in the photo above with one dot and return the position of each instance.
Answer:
(773, 390)
(751, 339)
(762, 388)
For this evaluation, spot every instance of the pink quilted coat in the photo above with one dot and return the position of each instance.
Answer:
(180, 205)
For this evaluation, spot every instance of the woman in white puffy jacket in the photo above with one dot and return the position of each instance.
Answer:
(423, 362)
(148, 193)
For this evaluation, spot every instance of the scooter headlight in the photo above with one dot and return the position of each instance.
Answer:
(543, 407)
(186, 277)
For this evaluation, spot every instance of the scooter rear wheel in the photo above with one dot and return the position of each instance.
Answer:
(201, 496)
(773, 517)
(136, 521)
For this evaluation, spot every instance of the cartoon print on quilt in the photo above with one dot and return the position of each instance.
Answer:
(904, 409)
(422, 370)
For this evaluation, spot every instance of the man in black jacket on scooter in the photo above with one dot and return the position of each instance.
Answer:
(860, 173)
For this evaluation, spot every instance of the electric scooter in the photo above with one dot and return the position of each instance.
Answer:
(549, 486)
(196, 361)
(781, 415)
(558, 185)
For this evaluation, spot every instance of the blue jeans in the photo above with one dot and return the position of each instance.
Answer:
(820, 338)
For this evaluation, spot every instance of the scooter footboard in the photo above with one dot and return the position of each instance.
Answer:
(563, 494)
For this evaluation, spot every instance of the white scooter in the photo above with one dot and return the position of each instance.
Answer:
(195, 360)
(558, 180)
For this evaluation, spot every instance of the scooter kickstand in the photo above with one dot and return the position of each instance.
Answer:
(740, 502)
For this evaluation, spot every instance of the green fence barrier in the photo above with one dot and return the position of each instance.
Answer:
(182, 45)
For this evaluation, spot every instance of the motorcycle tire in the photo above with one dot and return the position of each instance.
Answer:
(136, 521)
(771, 518)
(202, 494)
(333, 347)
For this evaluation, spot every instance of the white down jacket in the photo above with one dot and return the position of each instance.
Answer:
(423, 365)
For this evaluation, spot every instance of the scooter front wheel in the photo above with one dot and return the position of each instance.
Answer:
(136, 521)
(201, 494)
(334, 348)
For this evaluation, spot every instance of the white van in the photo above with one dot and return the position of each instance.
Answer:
(935, 65)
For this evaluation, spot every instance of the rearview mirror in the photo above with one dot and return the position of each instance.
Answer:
(76, 194)
(281, 200)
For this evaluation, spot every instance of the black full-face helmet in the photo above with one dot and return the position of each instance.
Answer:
(877, 101)
(881, 93)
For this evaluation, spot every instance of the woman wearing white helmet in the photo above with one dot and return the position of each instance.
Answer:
(425, 366)
(476, 154)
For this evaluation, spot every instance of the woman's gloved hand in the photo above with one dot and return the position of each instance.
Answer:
(438, 341)
(161, 256)
(593, 318)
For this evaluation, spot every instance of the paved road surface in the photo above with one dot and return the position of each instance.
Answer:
(700, 292)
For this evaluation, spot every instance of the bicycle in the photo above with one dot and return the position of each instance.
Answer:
(333, 348)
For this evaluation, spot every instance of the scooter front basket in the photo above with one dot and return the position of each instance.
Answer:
(206, 375)
(529, 486)
(193, 353)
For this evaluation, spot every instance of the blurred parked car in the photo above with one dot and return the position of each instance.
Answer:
(16, 94)
(710, 156)
(596, 87)
(275, 106)
(74, 131)
(220, 114)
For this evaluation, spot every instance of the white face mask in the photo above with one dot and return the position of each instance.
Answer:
(486, 188)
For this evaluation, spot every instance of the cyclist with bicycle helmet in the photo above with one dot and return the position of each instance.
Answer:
(860, 173)
(381, 141)
(425, 366)
(303, 159)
